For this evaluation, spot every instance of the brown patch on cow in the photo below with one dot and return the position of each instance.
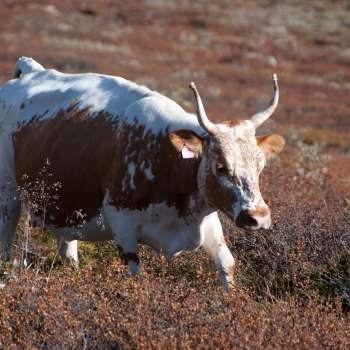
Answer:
(270, 144)
(188, 138)
(217, 195)
(174, 179)
(233, 123)
(89, 155)
(80, 150)
(248, 218)
(262, 211)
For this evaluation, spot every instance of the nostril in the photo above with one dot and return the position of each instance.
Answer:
(245, 219)
(252, 222)
(253, 219)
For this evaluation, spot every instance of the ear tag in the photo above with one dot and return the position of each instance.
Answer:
(187, 153)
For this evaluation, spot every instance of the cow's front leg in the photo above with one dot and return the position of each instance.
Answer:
(214, 244)
(124, 229)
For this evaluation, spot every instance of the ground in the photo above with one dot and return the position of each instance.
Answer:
(292, 281)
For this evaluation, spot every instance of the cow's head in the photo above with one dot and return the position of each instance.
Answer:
(231, 159)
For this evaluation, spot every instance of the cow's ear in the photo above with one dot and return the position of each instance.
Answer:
(270, 144)
(187, 142)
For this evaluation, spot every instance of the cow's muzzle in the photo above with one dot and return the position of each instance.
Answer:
(254, 219)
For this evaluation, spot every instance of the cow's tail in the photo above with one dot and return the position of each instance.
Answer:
(24, 66)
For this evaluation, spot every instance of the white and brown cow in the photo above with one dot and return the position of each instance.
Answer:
(155, 173)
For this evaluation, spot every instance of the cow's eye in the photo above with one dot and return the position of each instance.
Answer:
(221, 169)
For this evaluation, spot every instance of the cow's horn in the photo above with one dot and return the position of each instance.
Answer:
(203, 120)
(260, 117)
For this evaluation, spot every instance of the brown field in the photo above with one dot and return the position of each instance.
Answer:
(293, 280)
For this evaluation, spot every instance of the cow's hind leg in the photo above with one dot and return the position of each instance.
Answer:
(132, 260)
(214, 244)
(10, 211)
(68, 250)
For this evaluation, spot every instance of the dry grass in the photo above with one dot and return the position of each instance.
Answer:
(96, 306)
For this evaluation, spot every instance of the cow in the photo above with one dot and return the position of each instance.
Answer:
(153, 172)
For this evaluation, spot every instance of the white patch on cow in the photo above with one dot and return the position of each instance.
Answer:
(128, 181)
(214, 244)
(187, 153)
(148, 173)
(69, 249)
(235, 133)
(192, 203)
(26, 65)
(44, 92)
(222, 128)
(158, 226)
(124, 184)
(158, 113)
(131, 171)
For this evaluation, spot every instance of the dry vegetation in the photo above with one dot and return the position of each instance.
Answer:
(293, 281)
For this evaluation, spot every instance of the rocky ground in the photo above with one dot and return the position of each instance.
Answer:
(293, 281)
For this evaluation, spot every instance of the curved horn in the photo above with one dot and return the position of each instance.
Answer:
(260, 117)
(203, 120)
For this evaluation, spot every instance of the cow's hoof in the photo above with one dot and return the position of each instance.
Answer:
(5, 256)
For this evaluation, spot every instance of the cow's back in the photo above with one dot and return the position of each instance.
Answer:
(44, 93)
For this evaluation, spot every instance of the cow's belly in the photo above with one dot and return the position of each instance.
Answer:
(93, 231)
(170, 237)
(159, 226)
